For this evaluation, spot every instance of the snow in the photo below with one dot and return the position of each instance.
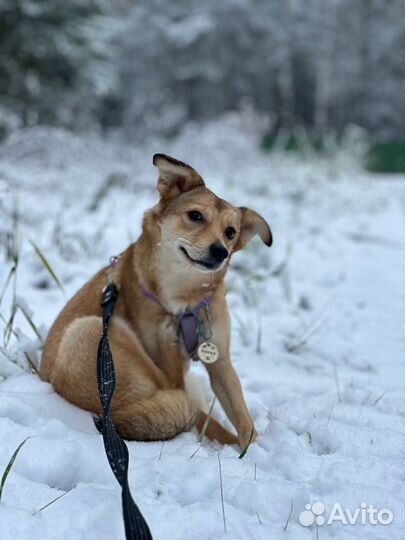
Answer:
(318, 342)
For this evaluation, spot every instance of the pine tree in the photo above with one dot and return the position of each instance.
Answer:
(52, 59)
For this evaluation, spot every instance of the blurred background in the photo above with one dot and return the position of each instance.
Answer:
(309, 70)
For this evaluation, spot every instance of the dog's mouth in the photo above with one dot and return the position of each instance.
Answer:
(205, 264)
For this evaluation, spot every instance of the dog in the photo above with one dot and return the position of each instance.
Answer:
(171, 284)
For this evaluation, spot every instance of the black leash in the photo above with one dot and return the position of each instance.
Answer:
(136, 527)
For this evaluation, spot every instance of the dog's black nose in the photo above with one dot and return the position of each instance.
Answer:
(218, 252)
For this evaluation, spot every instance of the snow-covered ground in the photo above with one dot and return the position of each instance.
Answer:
(318, 342)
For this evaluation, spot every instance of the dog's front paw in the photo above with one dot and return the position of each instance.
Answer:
(247, 437)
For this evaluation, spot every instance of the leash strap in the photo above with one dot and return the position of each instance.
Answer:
(136, 527)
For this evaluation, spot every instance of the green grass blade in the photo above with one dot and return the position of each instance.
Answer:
(10, 465)
(206, 423)
(244, 451)
(47, 266)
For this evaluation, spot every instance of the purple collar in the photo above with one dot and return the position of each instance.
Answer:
(188, 322)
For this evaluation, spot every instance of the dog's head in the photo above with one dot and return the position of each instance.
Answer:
(197, 227)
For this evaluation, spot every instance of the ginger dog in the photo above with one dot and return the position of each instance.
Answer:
(179, 261)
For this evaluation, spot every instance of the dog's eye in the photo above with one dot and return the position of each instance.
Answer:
(194, 215)
(230, 232)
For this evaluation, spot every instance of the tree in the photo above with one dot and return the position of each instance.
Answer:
(319, 63)
(52, 59)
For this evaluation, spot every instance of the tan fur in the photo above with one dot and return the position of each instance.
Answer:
(150, 401)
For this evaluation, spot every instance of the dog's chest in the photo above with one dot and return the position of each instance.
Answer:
(162, 339)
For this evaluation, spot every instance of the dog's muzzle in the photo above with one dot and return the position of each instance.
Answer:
(217, 254)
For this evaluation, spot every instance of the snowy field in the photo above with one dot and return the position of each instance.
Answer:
(318, 341)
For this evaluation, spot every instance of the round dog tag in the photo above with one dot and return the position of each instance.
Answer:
(207, 352)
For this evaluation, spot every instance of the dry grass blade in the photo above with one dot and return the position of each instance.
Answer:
(31, 363)
(206, 423)
(244, 451)
(47, 266)
(289, 515)
(222, 492)
(335, 374)
(259, 335)
(51, 502)
(6, 322)
(9, 330)
(33, 367)
(301, 340)
(194, 453)
(379, 398)
(14, 255)
(30, 322)
(112, 181)
(6, 283)
(10, 465)
(330, 415)
(282, 273)
(283, 264)
(243, 329)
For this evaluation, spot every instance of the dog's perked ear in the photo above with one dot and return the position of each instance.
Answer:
(175, 177)
(252, 223)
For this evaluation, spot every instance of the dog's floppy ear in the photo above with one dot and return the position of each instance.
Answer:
(175, 177)
(252, 223)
